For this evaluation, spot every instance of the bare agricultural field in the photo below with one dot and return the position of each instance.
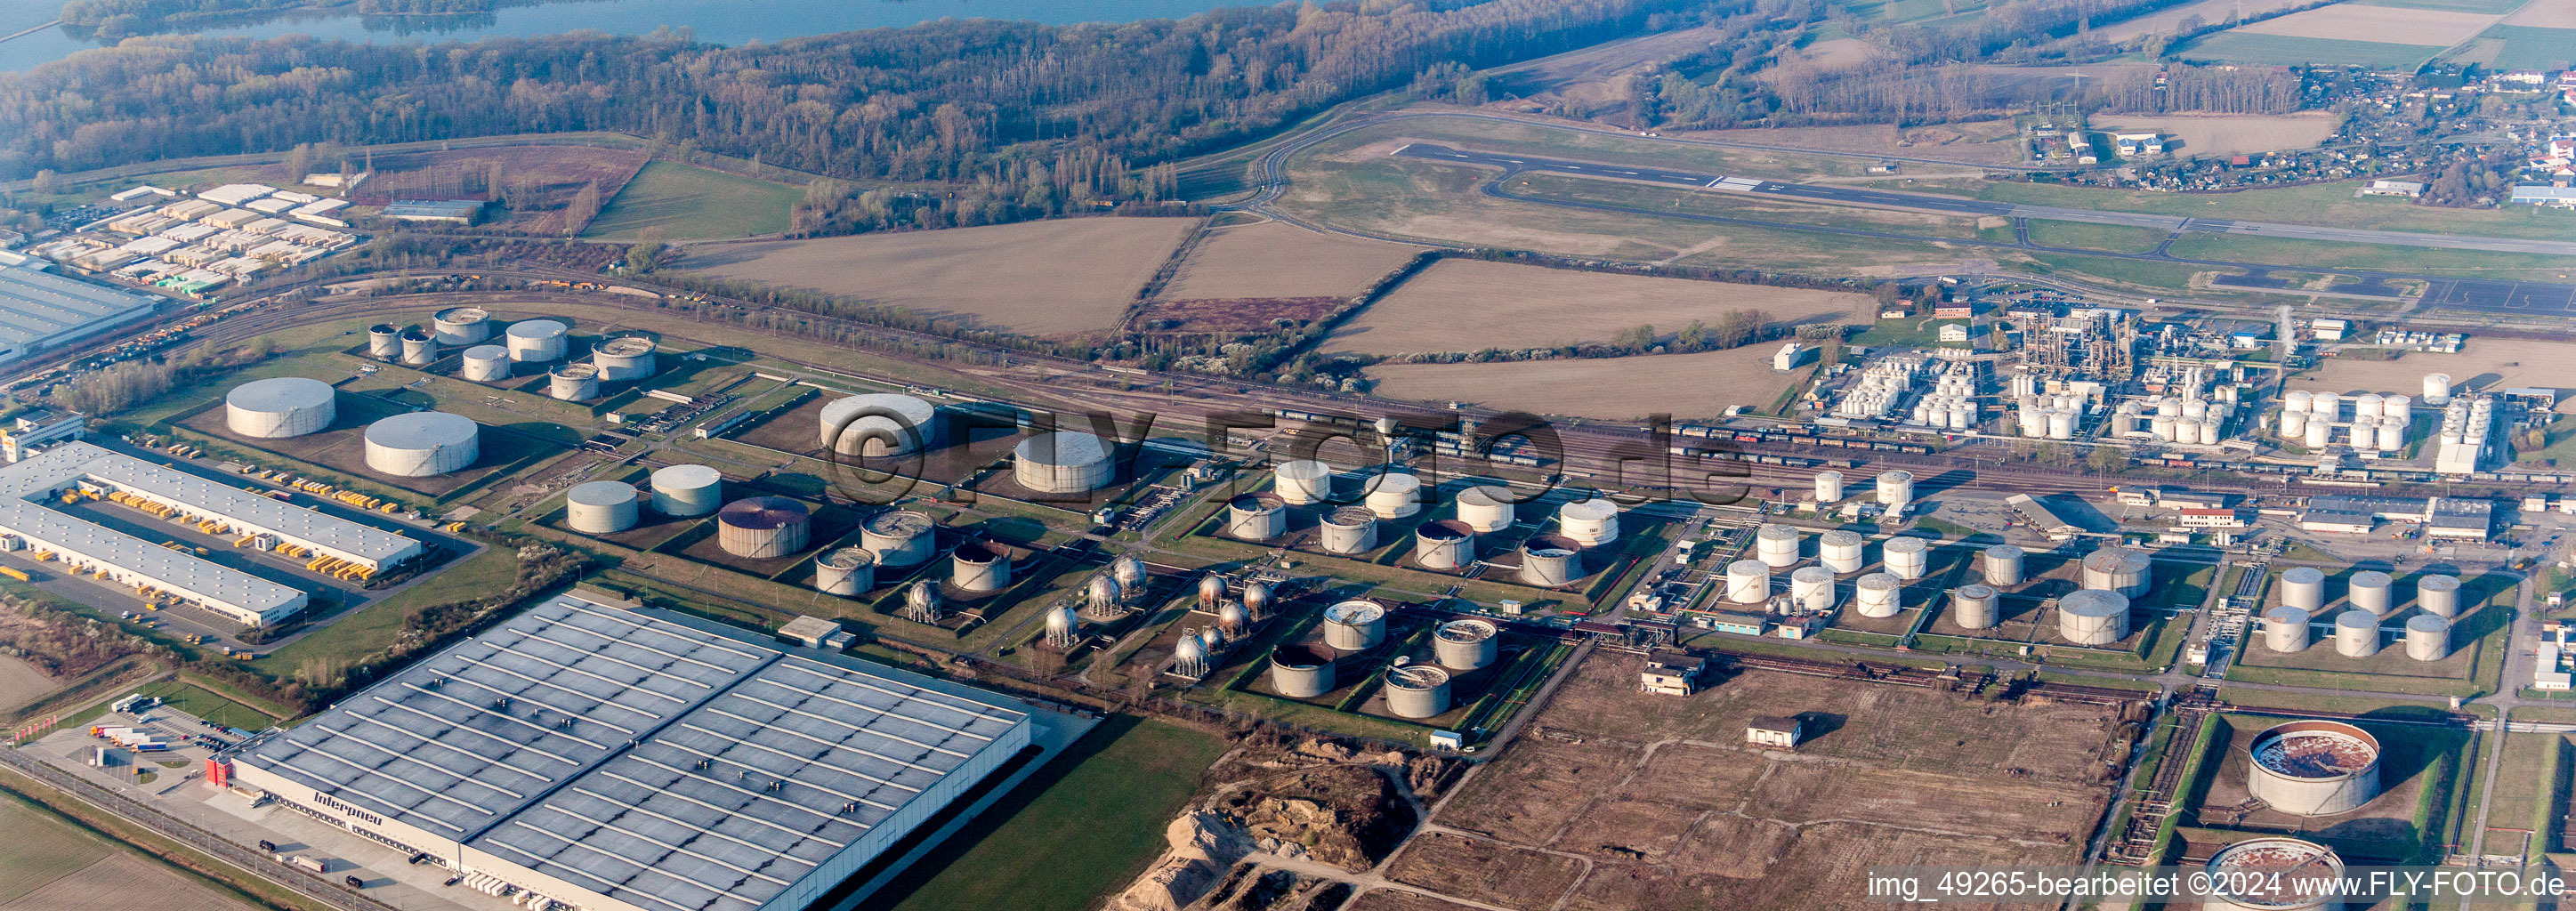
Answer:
(1281, 260)
(2544, 14)
(1686, 385)
(1466, 305)
(2231, 134)
(126, 882)
(22, 683)
(2382, 24)
(2482, 364)
(1042, 278)
(2169, 20)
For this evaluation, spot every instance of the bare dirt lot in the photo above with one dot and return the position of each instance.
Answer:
(1276, 259)
(22, 683)
(125, 882)
(2225, 134)
(2483, 364)
(1671, 810)
(1042, 277)
(2382, 24)
(1687, 385)
(1467, 305)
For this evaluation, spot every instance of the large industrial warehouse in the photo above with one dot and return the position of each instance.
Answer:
(238, 595)
(610, 760)
(39, 309)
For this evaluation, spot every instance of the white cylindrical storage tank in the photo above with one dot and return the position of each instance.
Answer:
(1594, 522)
(2392, 435)
(2364, 435)
(681, 491)
(462, 325)
(2003, 565)
(2286, 630)
(2366, 405)
(2428, 638)
(573, 382)
(2304, 587)
(878, 424)
(601, 507)
(1466, 644)
(1906, 557)
(423, 443)
(280, 407)
(384, 340)
(419, 347)
(537, 341)
(1256, 517)
(1394, 496)
(485, 364)
(2271, 873)
(2299, 400)
(2356, 634)
(1829, 487)
(1354, 626)
(1445, 544)
(2437, 389)
(2163, 426)
(1486, 509)
(763, 527)
(845, 571)
(2398, 407)
(1895, 488)
(2213, 431)
(2327, 405)
(2061, 425)
(1840, 551)
(1974, 607)
(978, 567)
(624, 358)
(1300, 672)
(2438, 595)
(1877, 595)
(1812, 588)
(2186, 432)
(1748, 582)
(1963, 415)
(1302, 482)
(2119, 569)
(1548, 561)
(1065, 461)
(2195, 409)
(2314, 768)
(1349, 530)
(2370, 590)
(2093, 617)
(2294, 425)
(899, 538)
(1776, 545)
(1417, 691)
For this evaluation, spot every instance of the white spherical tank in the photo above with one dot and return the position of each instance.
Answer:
(1467, 644)
(1812, 588)
(1748, 582)
(1487, 509)
(1394, 496)
(681, 491)
(1974, 607)
(1829, 487)
(1302, 482)
(1064, 462)
(1064, 631)
(978, 567)
(2428, 638)
(2313, 768)
(2120, 569)
(1776, 545)
(1103, 595)
(2437, 389)
(2303, 587)
(1211, 591)
(2003, 565)
(624, 358)
(1895, 488)
(280, 407)
(1349, 530)
(2356, 634)
(1906, 557)
(1840, 551)
(1256, 517)
(1447, 544)
(1548, 561)
(1300, 672)
(2438, 595)
(1417, 691)
(878, 425)
(1353, 626)
(384, 340)
(573, 382)
(899, 537)
(601, 507)
(2270, 873)
(462, 325)
(2369, 590)
(1130, 573)
(922, 602)
(537, 341)
(2093, 617)
(763, 527)
(419, 347)
(1877, 595)
(2286, 629)
(845, 571)
(422, 444)
(485, 364)
(1594, 521)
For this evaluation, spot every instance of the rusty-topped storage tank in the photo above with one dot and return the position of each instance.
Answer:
(760, 527)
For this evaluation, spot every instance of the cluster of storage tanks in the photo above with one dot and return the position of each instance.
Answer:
(535, 342)
(1951, 405)
(2055, 417)
(1411, 690)
(2368, 597)
(2185, 420)
(2378, 422)
(1546, 560)
(1880, 386)
(609, 507)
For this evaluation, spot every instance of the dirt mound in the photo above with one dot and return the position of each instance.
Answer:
(1347, 816)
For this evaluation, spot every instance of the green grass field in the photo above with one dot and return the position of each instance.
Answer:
(2088, 236)
(1074, 832)
(2284, 50)
(2317, 204)
(2317, 254)
(681, 202)
(2530, 47)
(373, 626)
(42, 849)
(209, 705)
(2481, 7)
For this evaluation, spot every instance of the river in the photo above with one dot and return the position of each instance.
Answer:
(727, 22)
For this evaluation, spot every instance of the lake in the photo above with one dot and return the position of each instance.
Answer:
(727, 22)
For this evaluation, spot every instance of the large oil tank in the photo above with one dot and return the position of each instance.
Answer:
(2437, 389)
(573, 382)
(2267, 874)
(681, 491)
(1302, 482)
(2313, 768)
(462, 325)
(2356, 634)
(2003, 565)
(1393, 495)
(2428, 638)
(1829, 487)
(1354, 626)
(1812, 588)
(537, 341)
(1878, 595)
(2369, 590)
(1776, 545)
(485, 364)
(1256, 517)
(1466, 644)
(1063, 462)
(2294, 425)
(1895, 488)
(2392, 435)
(2318, 434)
(1548, 561)
(1906, 557)
(2287, 629)
(2119, 569)
(1446, 544)
(1349, 530)
(1594, 522)
(1300, 672)
(2093, 617)
(423, 443)
(384, 340)
(280, 407)
(845, 571)
(878, 425)
(978, 567)
(419, 347)
(2438, 595)
(1417, 691)
(601, 507)
(1974, 607)
(628, 357)
(2303, 587)
(1487, 509)
(1841, 551)
(763, 527)
(899, 538)
(1748, 582)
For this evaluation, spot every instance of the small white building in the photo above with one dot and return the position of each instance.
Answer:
(2330, 330)
(2405, 188)
(1774, 731)
(2545, 674)
(1791, 355)
(1671, 673)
